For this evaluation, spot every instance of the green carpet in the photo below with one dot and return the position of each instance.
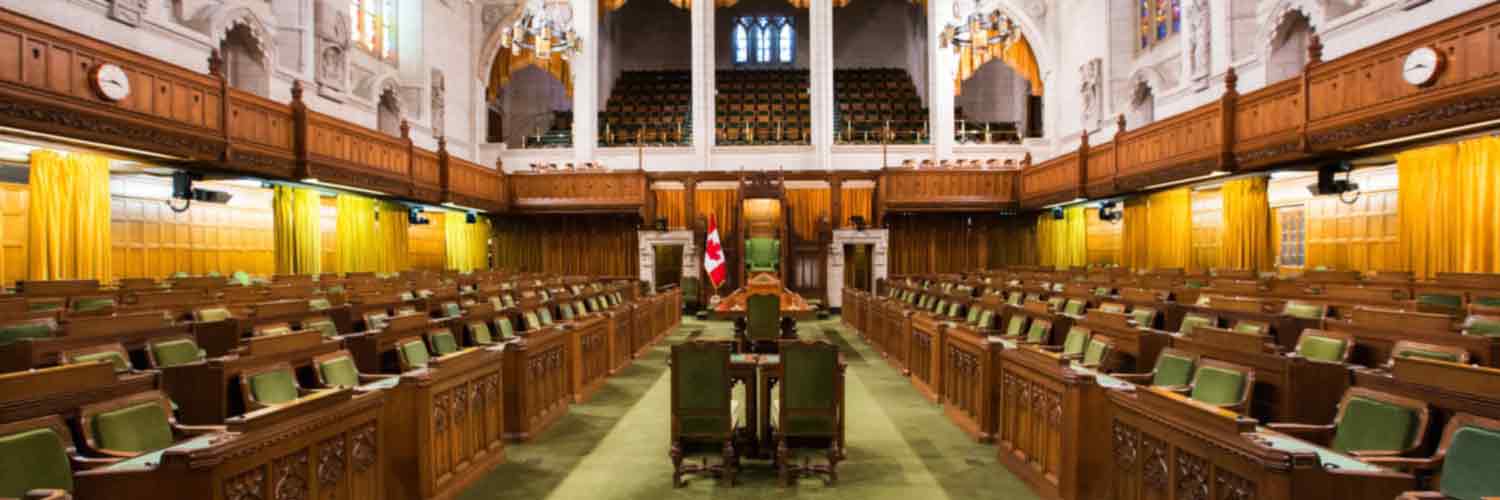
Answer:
(615, 446)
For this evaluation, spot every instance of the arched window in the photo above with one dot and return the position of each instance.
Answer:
(763, 40)
(741, 43)
(1159, 19)
(785, 43)
(372, 26)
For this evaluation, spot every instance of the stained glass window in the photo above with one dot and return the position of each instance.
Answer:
(785, 43)
(741, 43)
(372, 26)
(763, 40)
(1159, 19)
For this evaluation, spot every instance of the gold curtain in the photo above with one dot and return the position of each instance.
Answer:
(467, 245)
(1017, 54)
(1447, 204)
(297, 230)
(1158, 230)
(69, 223)
(394, 243)
(808, 206)
(1061, 243)
(688, 4)
(720, 202)
(856, 201)
(671, 205)
(358, 240)
(1135, 239)
(803, 4)
(1246, 238)
(507, 63)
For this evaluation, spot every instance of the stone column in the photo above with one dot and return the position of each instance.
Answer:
(585, 66)
(820, 22)
(942, 66)
(704, 112)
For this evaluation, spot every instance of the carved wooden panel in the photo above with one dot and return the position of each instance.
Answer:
(947, 190)
(345, 153)
(1361, 97)
(579, 191)
(1100, 170)
(474, 185)
(1057, 180)
(426, 176)
(1268, 124)
(1182, 146)
(261, 134)
(45, 86)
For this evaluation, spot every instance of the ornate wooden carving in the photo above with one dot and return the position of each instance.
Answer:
(1232, 486)
(1155, 471)
(1187, 145)
(248, 485)
(291, 477)
(331, 460)
(362, 448)
(911, 190)
(1126, 445)
(472, 185)
(1099, 171)
(426, 176)
(1192, 476)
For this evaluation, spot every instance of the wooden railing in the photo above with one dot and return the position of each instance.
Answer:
(950, 190)
(1054, 181)
(578, 192)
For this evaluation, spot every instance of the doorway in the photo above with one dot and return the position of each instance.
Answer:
(668, 265)
(859, 273)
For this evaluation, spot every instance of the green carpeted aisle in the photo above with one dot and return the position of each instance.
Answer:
(615, 446)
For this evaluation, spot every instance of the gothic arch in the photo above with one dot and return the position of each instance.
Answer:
(218, 21)
(1274, 14)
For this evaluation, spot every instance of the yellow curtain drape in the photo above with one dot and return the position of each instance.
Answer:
(1246, 238)
(1135, 236)
(671, 205)
(854, 202)
(68, 234)
(1158, 230)
(297, 230)
(808, 206)
(1017, 54)
(1447, 204)
(1062, 243)
(359, 242)
(721, 203)
(467, 244)
(507, 63)
(394, 239)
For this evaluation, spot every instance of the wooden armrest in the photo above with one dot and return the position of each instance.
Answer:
(1407, 463)
(46, 494)
(1180, 389)
(1368, 454)
(365, 379)
(196, 430)
(1427, 495)
(1134, 378)
(86, 463)
(1308, 432)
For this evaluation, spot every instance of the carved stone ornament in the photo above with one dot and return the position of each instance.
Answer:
(492, 15)
(129, 12)
(1198, 41)
(1091, 91)
(1037, 9)
(439, 106)
(332, 62)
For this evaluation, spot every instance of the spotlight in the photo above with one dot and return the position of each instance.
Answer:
(471, 218)
(415, 217)
(1057, 213)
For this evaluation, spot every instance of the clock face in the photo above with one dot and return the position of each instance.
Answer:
(1421, 66)
(111, 82)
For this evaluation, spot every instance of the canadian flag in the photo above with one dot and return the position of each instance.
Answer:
(713, 254)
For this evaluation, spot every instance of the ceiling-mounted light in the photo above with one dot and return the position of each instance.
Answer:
(543, 27)
(977, 29)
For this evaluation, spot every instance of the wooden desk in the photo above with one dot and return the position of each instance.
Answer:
(539, 388)
(971, 380)
(1052, 418)
(1376, 332)
(325, 445)
(1450, 388)
(208, 393)
(621, 336)
(375, 351)
(1141, 345)
(589, 346)
(894, 337)
(1165, 446)
(62, 390)
(131, 331)
(1286, 330)
(444, 425)
(1287, 389)
(925, 360)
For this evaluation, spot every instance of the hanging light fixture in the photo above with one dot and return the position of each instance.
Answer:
(977, 30)
(543, 27)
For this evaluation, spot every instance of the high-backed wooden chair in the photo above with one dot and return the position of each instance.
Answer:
(270, 385)
(1369, 423)
(1326, 346)
(809, 411)
(34, 459)
(762, 322)
(1464, 462)
(1223, 384)
(128, 426)
(1174, 370)
(704, 411)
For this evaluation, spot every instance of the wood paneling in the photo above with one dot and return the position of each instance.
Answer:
(1361, 236)
(1186, 145)
(579, 191)
(1099, 171)
(598, 245)
(941, 243)
(473, 185)
(426, 176)
(1054, 181)
(947, 190)
(345, 153)
(262, 136)
(14, 200)
(1268, 124)
(426, 243)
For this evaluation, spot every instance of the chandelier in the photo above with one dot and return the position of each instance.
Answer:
(543, 27)
(978, 30)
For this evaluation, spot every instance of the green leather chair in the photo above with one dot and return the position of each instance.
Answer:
(763, 323)
(1368, 423)
(114, 354)
(442, 342)
(212, 314)
(1192, 319)
(1251, 327)
(1039, 332)
(504, 327)
(1174, 369)
(532, 321)
(1015, 326)
(1465, 461)
(412, 353)
(337, 369)
(34, 456)
(451, 310)
(132, 425)
(377, 320)
(270, 386)
(173, 351)
(1431, 352)
(319, 304)
(566, 310)
(690, 292)
(1222, 384)
(1098, 353)
(92, 304)
(1075, 342)
(479, 333)
(1440, 302)
(704, 410)
(763, 255)
(1074, 307)
(321, 324)
(806, 415)
(545, 315)
(240, 278)
(39, 328)
(1324, 346)
(1305, 310)
(496, 303)
(1484, 326)
(1112, 307)
(1144, 317)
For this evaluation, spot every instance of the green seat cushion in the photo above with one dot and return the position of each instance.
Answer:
(1481, 325)
(1303, 310)
(1319, 348)
(121, 364)
(1218, 386)
(567, 312)
(1490, 301)
(1015, 325)
(763, 316)
(1038, 331)
(1172, 370)
(986, 319)
(176, 352)
(509, 300)
(240, 277)
(214, 314)
(502, 324)
(1372, 425)
(443, 342)
(324, 326)
(1143, 316)
(481, 333)
(27, 330)
(33, 459)
(451, 309)
(273, 387)
(546, 316)
(955, 310)
(579, 309)
(318, 304)
(1426, 354)
(495, 302)
(1077, 339)
(811, 384)
(1014, 298)
(1244, 327)
(138, 428)
(93, 304)
(339, 372)
(702, 382)
(973, 316)
(1074, 307)
(1443, 300)
(532, 321)
(1095, 352)
(1194, 320)
(1470, 472)
(415, 354)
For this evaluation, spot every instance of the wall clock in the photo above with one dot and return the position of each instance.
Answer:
(1422, 66)
(110, 82)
